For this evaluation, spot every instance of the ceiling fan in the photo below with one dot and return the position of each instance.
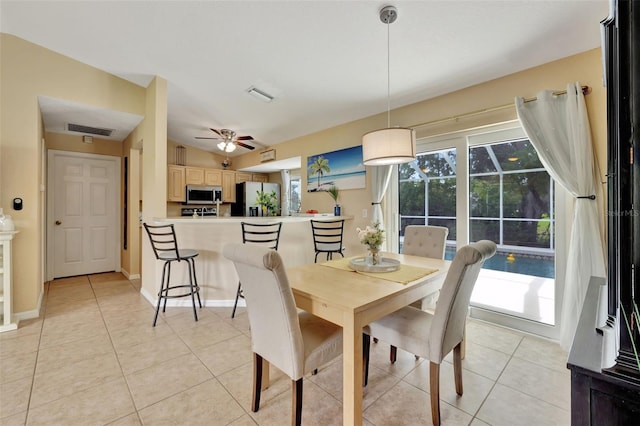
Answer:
(229, 140)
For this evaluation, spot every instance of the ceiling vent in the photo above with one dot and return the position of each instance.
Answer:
(89, 130)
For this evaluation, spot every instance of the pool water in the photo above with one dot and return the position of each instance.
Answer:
(528, 264)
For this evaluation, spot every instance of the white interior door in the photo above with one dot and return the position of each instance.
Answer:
(84, 219)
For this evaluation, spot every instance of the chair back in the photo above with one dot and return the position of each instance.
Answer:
(273, 317)
(447, 327)
(163, 241)
(265, 234)
(425, 241)
(327, 235)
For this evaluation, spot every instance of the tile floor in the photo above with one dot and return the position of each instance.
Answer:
(93, 358)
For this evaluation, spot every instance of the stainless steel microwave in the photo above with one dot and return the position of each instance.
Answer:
(202, 194)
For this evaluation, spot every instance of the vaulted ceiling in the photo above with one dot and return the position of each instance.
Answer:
(324, 62)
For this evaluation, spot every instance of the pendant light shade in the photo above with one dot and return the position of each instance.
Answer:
(393, 145)
(389, 146)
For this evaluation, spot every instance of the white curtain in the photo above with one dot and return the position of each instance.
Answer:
(285, 203)
(558, 128)
(380, 176)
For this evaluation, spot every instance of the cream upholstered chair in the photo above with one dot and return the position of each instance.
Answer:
(295, 342)
(433, 336)
(426, 241)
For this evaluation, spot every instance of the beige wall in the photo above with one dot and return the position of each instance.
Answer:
(28, 71)
(195, 157)
(65, 142)
(585, 68)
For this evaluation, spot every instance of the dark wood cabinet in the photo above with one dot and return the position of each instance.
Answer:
(605, 375)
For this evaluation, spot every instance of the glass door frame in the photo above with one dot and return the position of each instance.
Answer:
(462, 141)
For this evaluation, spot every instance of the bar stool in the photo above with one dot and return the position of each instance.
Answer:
(327, 237)
(265, 234)
(165, 247)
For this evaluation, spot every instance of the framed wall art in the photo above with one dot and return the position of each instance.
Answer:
(342, 169)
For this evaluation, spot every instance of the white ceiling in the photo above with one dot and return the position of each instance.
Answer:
(325, 62)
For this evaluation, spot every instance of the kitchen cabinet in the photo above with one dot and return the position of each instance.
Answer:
(259, 177)
(194, 175)
(176, 184)
(213, 177)
(243, 177)
(228, 186)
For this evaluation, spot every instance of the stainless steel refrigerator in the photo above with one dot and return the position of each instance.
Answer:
(246, 194)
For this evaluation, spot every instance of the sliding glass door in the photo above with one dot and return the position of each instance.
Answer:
(491, 185)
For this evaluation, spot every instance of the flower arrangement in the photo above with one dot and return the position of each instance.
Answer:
(372, 236)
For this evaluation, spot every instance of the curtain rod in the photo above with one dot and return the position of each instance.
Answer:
(585, 90)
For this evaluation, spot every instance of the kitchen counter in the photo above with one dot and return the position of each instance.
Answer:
(216, 275)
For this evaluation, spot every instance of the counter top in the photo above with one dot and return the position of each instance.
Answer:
(238, 219)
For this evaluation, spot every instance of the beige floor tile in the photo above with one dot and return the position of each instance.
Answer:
(71, 308)
(482, 360)
(205, 404)
(543, 352)
(68, 282)
(11, 347)
(239, 382)
(122, 303)
(206, 333)
(130, 420)
(493, 337)
(106, 277)
(15, 420)
(226, 355)
(245, 420)
(151, 353)
(114, 288)
(140, 333)
(318, 408)
(475, 387)
(117, 321)
(59, 356)
(543, 383)
(478, 422)
(166, 379)
(25, 328)
(379, 357)
(405, 404)
(59, 295)
(508, 407)
(240, 321)
(75, 377)
(14, 396)
(73, 330)
(97, 405)
(17, 367)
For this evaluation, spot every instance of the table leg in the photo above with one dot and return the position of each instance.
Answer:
(352, 373)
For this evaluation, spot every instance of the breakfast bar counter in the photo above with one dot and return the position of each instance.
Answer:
(216, 275)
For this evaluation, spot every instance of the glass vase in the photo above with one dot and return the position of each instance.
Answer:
(374, 256)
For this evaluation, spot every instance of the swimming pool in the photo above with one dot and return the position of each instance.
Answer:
(518, 263)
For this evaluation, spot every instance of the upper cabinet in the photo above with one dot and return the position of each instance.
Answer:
(176, 184)
(194, 175)
(213, 177)
(228, 186)
(243, 177)
(259, 177)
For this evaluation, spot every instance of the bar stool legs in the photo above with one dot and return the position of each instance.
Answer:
(163, 294)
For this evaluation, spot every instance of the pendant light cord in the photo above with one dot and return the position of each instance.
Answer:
(388, 77)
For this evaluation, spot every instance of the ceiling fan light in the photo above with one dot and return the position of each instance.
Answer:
(230, 147)
(221, 146)
(394, 145)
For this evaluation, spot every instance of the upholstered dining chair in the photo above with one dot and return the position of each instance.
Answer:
(294, 342)
(265, 234)
(426, 241)
(433, 336)
(327, 237)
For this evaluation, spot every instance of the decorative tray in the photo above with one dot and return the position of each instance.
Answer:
(386, 265)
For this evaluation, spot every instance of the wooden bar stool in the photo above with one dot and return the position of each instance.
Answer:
(165, 247)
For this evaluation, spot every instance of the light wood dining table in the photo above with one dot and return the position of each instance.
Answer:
(352, 300)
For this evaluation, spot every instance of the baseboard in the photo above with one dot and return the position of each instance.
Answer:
(34, 313)
(128, 275)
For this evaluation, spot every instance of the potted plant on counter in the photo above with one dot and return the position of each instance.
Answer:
(334, 192)
(268, 202)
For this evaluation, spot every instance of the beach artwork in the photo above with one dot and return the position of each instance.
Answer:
(342, 168)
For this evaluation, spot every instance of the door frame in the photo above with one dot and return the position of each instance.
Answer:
(116, 202)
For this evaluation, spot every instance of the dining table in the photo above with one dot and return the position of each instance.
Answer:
(352, 299)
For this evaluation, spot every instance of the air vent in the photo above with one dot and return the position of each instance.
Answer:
(89, 130)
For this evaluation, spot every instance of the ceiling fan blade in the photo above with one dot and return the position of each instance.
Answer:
(244, 138)
(244, 145)
(216, 132)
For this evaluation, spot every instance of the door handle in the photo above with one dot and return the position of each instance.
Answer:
(58, 222)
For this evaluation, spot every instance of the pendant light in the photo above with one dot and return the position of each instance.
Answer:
(393, 145)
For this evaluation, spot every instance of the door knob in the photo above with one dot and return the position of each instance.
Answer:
(58, 222)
